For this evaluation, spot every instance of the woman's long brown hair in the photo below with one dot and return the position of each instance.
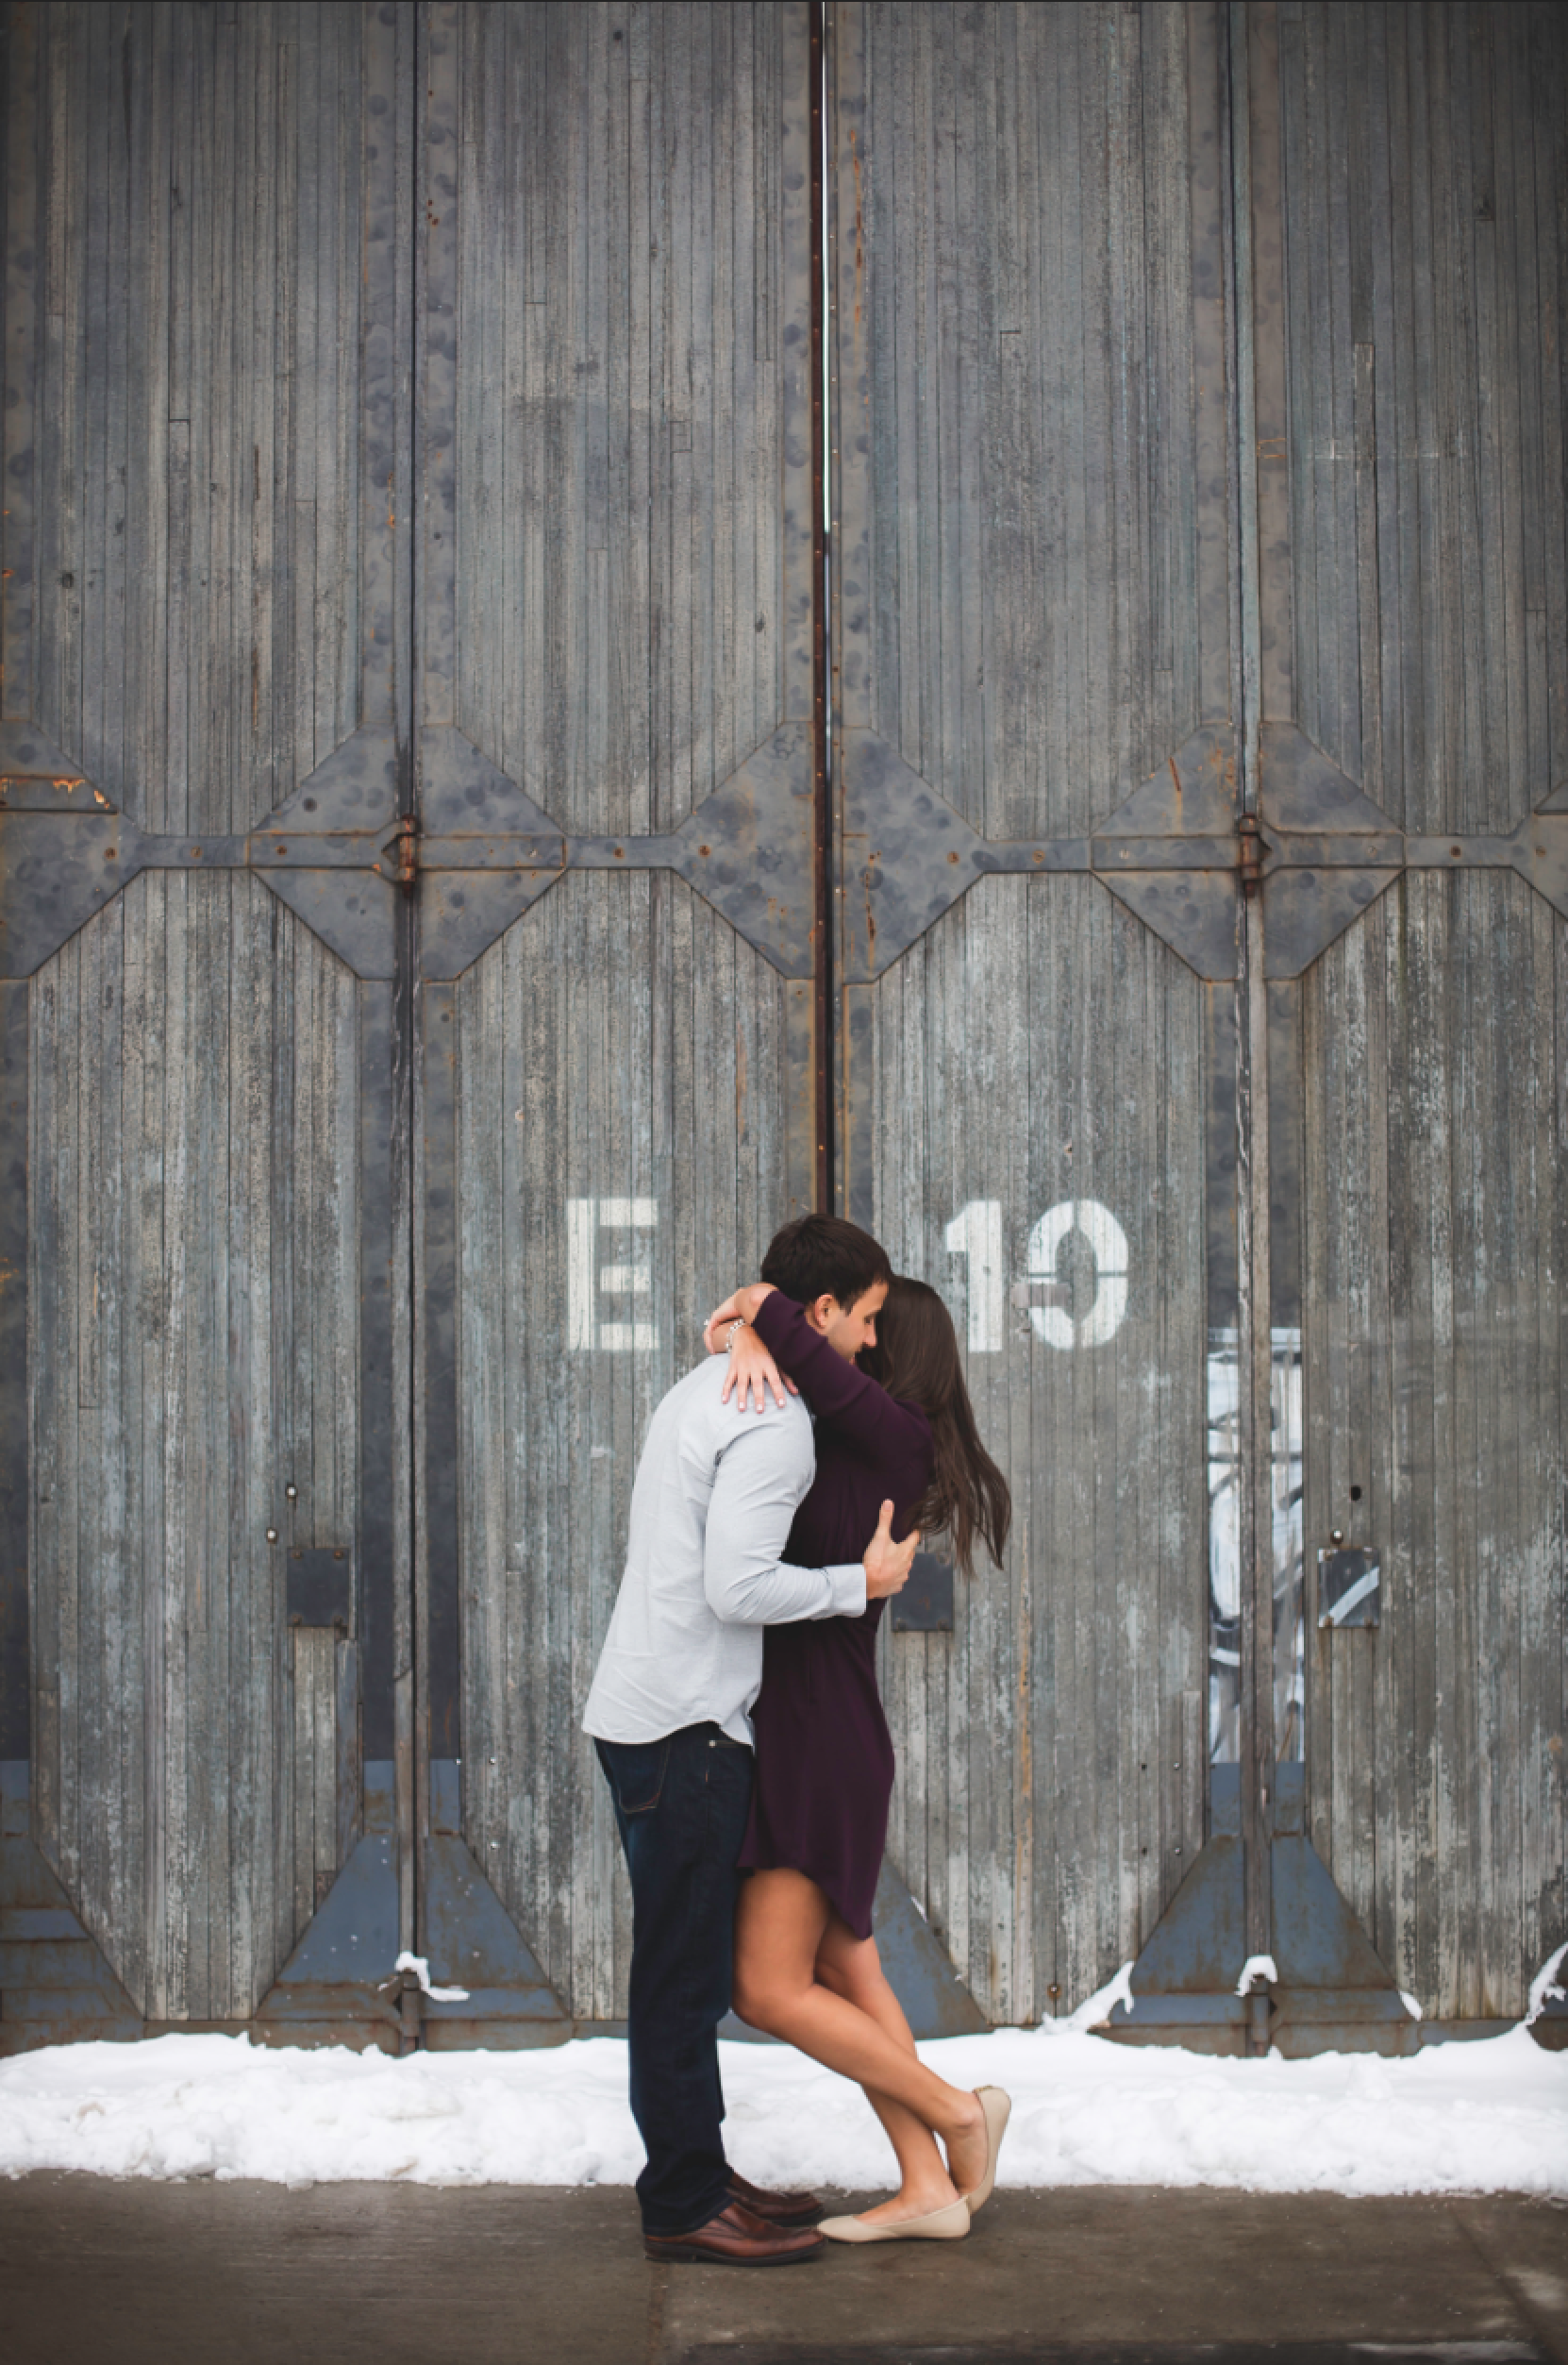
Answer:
(916, 1359)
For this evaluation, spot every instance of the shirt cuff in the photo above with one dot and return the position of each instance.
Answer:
(848, 1580)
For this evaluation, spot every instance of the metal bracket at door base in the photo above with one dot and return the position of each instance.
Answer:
(1331, 1993)
(473, 1943)
(56, 1988)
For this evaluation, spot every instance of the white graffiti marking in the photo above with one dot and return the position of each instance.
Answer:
(975, 1235)
(587, 1280)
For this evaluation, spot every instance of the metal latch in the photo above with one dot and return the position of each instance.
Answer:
(404, 850)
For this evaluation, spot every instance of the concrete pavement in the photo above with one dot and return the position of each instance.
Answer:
(101, 2273)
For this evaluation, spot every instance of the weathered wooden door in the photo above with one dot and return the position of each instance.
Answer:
(431, 967)
(413, 883)
(617, 913)
(1415, 627)
(206, 682)
(1034, 655)
(1198, 571)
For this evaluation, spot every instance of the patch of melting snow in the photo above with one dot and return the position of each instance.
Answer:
(1257, 1967)
(421, 1969)
(1546, 1987)
(1490, 2116)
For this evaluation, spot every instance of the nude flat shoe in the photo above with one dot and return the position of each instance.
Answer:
(948, 2224)
(998, 2106)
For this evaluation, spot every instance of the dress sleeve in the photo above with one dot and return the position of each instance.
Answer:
(836, 1390)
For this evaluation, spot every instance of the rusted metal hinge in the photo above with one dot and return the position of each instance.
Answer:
(1250, 862)
(404, 850)
(404, 1993)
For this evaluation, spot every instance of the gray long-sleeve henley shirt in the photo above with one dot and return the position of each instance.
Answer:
(716, 1490)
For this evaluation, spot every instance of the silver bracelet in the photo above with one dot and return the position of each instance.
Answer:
(739, 1324)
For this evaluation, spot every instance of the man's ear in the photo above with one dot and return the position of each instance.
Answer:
(821, 1312)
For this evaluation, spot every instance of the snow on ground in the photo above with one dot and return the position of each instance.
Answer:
(1484, 2116)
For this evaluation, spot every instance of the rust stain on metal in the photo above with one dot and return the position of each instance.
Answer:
(405, 846)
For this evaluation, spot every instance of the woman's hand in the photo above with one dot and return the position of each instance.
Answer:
(751, 1366)
(741, 1307)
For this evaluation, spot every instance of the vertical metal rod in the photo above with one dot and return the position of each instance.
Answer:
(406, 1179)
(15, 1480)
(1254, 1342)
(823, 810)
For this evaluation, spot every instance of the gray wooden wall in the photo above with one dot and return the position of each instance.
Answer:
(619, 1042)
(187, 361)
(1020, 453)
(633, 611)
(1033, 568)
(1041, 1046)
(1424, 156)
(194, 1290)
(632, 618)
(199, 434)
(1436, 1352)
(243, 529)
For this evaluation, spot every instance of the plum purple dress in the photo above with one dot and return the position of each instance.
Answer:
(825, 1758)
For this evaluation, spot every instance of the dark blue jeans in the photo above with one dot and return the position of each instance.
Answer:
(681, 1805)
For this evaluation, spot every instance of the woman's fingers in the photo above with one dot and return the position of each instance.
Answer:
(753, 1371)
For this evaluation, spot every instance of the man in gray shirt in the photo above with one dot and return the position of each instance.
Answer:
(716, 1490)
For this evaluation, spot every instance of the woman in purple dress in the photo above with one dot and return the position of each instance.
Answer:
(902, 1433)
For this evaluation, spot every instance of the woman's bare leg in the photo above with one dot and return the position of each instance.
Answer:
(852, 1968)
(780, 1928)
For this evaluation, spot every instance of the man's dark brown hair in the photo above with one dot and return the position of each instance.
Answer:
(820, 1256)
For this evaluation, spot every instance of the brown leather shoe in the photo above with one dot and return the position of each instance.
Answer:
(737, 2237)
(780, 2208)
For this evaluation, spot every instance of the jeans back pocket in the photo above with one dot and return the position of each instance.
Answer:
(636, 1770)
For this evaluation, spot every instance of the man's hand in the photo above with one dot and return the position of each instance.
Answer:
(886, 1564)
